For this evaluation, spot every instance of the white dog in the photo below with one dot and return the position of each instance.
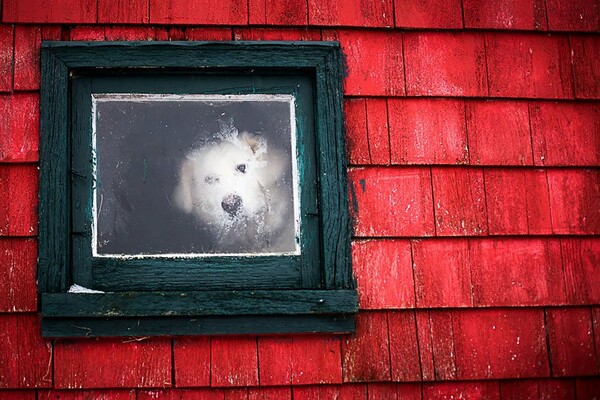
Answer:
(235, 188)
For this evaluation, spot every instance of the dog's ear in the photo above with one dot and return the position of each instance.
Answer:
(183, 192)
(256, 143)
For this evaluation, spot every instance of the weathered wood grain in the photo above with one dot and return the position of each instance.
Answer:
(428, 131)
(437, 14)
(378, 131)
(529, 66)
(131, 364)
(498, 132)
(208, 34)
(299, 360)
(458, 390)
(234, 361)
(459, 197)
(501, 272)
(129, 33)
(373, 13)
(517, 272)
(442, 270)
(445, 64)
(517, 202)
(81, 180)
(587, 388)
(366, 354)
(565, 134)
(9, 351)
(19, 127)
(87, 33)
(596, 328)
(18, 199)
(236, 54)
(374, 61)
(52, 32)
(404, 346)
(204, 12)
(18, 286)
(25, 357)
(27, 57)
(191, 361)
(392, 201)
(440, 326)
(357, 139)
(18, 395)
(585, 58)
(425, 341)
(574, 195)
(393, 391)
(573, 15)
(235, 394)
(270, 393)
(285, 34)
(102, 394)
(384, 274)
(500, 343)
(53, 210)
(6, 57)
(167, 33)
(276, 363)
(323, 392)
(61, 11)
(316, 360)
(180, 394)
(286, 13)
(172, 303)
(123, 11)
(546, 389)
(581, 265)
(335, 224)
(182, 326)
(505, 14)
(190, 274)
(571, 340)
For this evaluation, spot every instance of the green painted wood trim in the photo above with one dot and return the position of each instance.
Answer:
(208, 273)
(329, 271)
(333, 187)
(198, 55)
(81, 179)
(231, 302)
(176, 326)
(186, 275)
(54, 206)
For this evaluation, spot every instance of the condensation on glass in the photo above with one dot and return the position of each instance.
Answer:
(194, 175)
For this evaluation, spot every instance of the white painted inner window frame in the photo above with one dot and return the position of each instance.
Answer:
(151, 97)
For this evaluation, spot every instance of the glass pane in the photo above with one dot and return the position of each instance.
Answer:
(194, 175)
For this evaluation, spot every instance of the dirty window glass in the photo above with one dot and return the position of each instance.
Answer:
(194, 175)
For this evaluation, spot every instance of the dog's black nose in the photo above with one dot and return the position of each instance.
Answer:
(231, 203)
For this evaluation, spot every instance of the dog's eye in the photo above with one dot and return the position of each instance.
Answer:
(241, 168)
(211, 179)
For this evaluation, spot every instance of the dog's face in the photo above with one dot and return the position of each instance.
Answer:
(231, 185)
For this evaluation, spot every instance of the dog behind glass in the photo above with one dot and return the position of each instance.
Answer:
(240, 190)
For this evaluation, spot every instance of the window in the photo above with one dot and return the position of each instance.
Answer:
(193, 188)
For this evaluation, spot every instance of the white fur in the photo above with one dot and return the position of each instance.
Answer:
(209, 174)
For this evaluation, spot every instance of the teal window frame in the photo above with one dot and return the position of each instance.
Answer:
(310, 292)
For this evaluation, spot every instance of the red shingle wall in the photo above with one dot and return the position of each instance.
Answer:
(473, 134)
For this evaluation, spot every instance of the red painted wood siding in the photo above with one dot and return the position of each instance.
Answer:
(505, 14)
(473, 133)
(19, 127)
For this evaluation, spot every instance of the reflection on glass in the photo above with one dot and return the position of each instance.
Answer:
(194, 175)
